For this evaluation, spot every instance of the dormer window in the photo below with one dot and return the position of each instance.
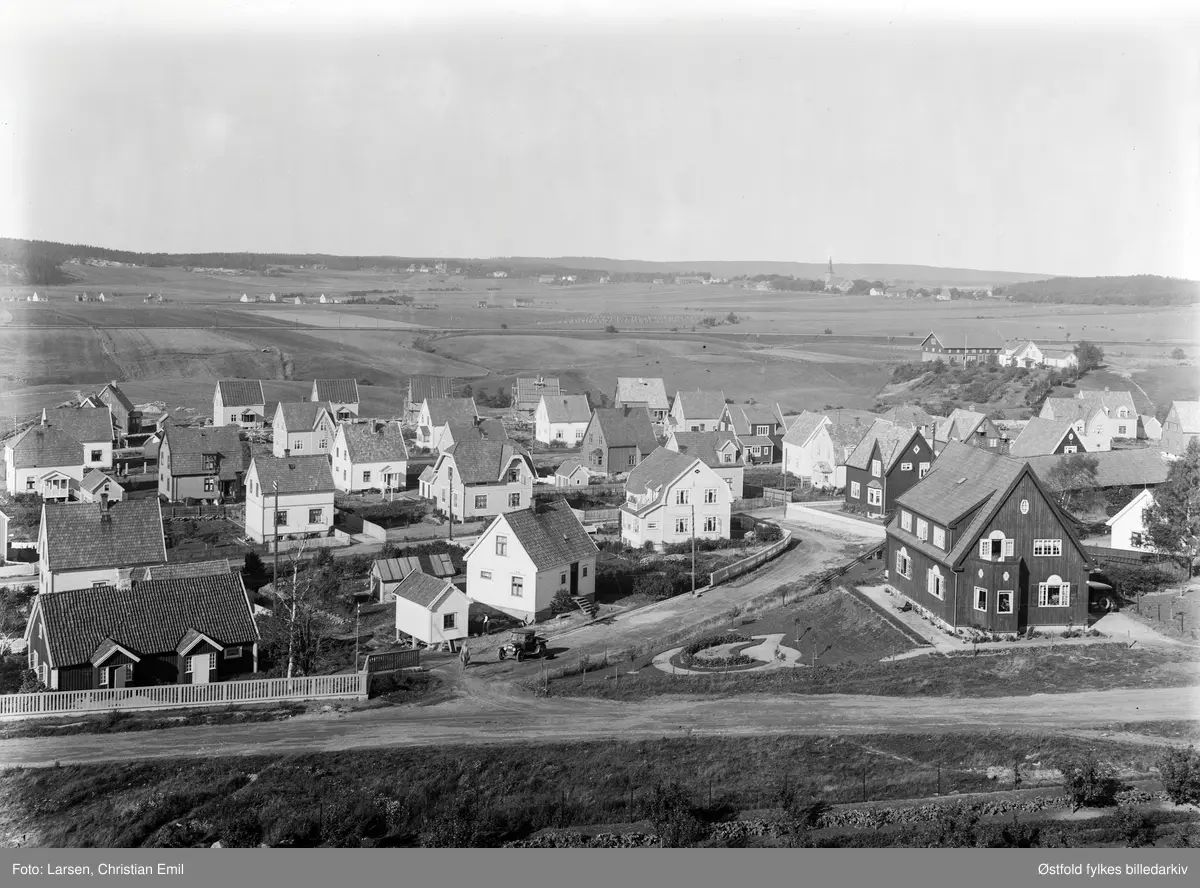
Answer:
(996, 546)
(210, 462)
(514, 474)
(876, 468)
(763, 431)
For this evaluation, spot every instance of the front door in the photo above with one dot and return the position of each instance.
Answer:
(574, 579)
(200, 669)
(119, 677)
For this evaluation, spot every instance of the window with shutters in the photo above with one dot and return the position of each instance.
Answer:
(922, 529)
(1054, 593)
(996, 547)
(904, 564)
(906, 521)
(1047, 548)
(980, 599)
(936, 583)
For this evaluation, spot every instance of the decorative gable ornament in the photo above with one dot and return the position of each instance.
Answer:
(1024, 507)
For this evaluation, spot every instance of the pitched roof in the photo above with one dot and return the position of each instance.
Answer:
(444, 411)
(45, 446)
(649, 390)
(293, 474)
(83, 535)
(1069, 409)
(214, 568)
(804, 426)
(892, 440)
(1040, 436)
(1114, 468)
(657, 470)
(393, 570)
(846, 436)
(1109, 401)
(241, 392)
(908, 414)
(959, 425)
(567, 408)
(117, 395)
(189, 445)
(427, 474)
(483, 462)
(626, 427)
(422, 387)
(420, 588)
(1188, 415)
(368, 442)
(704, 446)
(86, 425)
(147, 618)
(570, 466)
(551, 535)
(701, 404)
(94, 479)
(340, 391)
(980, 337)
(531, 388)
(301, 415)
(1142, 500)
(746, 416)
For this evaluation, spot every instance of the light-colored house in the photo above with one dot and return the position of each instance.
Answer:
(438, 413)
(479, 479)
(1181, 426)
(561, 419)
(301, 428)
(697, 411)
(289, 496)
(96, 484)
(525, 558)
(421, 388)
(369, 455)
(1120, 416)
(388, 573)
(207, 464)
(1127, 528)
(1149, 428)
(809, 452)
(81, 545)
(93, 428)
(1024, 353)
(43, 460)
(527, 391)
(1089, 420)
(644, 391)
(720, 451)
(430, 610)
(425, 483)
(1059, 358)
(672, 497)
(240, 402)
(339, 395)
(759, 429)
(1044, 436)
(482, 430)
(572, 473)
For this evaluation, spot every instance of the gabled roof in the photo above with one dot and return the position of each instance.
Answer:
(369, 442)
(551, 535)
(531, 388)
(649, 390)
(656, 471)
(427, 474)
(1187, 413)
(83, 535)
(422, 387)
(116, 394)
(94, 479)
(429, 592)
(340, 391)
(1143, 500)
(892, 440)
(959, 425)
(909, 414)
(705, 446)
(1040, 437)
(293, 474)
(214, 568)
(485, 462)
(444, 411)
(567, 408)
(241, 392)
(1109, 401)
(86, 425)
(301, 415)
(846, 436)
(746, 416)
(1115, 468)
(45, 446)
(147, 618)
(980, 337)
(189, 445)
(700, 404)
(392, 570)
(1070, 409)
(570, 466)
(626, 427)
(804, 426)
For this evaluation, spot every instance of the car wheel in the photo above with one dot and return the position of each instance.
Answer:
(520, 656)
(541, 650)
(502, 653)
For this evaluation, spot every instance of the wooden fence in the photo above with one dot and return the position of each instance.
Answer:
(389, 661)
(727, 573)
(1108, 555)
(597, 516)
(230, 513)
(264, 690)
(758, 502)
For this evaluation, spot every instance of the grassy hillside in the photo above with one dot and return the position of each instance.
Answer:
(1139, 289)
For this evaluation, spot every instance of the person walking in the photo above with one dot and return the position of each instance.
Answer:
(465, 657)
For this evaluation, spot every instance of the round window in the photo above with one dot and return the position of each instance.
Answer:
(1024, 507)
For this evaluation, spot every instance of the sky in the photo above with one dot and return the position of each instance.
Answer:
(1050, 145)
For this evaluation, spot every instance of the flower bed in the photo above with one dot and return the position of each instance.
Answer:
(687, 657)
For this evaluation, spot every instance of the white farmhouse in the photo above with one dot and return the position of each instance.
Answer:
(478, 479)
(239, 402)
(437, 414)
(809, 452)
(431, 611)
(288, 496)
(44, 461)
(721, 452)
(301, 428)
(369, 456)
(671, 497)
(81, 545)
(561, 419)
(1128, 527)
(525, 558)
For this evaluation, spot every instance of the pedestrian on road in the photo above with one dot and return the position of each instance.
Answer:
(465, 656)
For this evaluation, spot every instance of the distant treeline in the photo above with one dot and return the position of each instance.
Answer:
(1139, 289)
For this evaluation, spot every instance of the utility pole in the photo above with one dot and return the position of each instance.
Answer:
(275, 528)
(357, 610)
(694, 551)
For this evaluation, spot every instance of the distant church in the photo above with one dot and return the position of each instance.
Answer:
(834, 282)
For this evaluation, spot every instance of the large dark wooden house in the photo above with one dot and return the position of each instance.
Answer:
(889, 460)
(618, 438)
(979, 543)
(963, 347)
(188, 630)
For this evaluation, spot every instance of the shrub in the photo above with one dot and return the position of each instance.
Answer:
(611, 329)
(1178, 355)
(1131, 581)
(1134, 826)
(242, 830)
(768, 533)
(689, 652)
(561, 603)
(1090, 784)
(675, 817)
(1180, 773)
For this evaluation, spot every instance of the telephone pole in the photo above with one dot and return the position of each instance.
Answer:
(693, 550)
(275, 528)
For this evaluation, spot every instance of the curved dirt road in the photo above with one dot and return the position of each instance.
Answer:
(490, 715)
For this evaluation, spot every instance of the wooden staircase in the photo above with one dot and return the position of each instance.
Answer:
(586, 605)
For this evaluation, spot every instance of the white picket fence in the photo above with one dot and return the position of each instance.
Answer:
(264, 690)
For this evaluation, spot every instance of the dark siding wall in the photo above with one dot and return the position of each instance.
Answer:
(1070, 440)
(38, 644)
(77, 678)
(863, 477)
(617, 459)
(237, 667)
(898, 480)
(915, 588)
(157, 669)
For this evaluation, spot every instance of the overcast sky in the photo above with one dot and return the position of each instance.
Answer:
(1051, 148)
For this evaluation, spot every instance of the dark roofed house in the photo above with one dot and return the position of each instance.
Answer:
(240, 402)
(419, 389)
(43, 460)
(963, 346)
(888, 460)
(1042, 437)
(979, 542)
(84, 544)
(912, 415)
(127, 419)
(476, 478)
(193, 630)
(618, 438)
(527, 391)
(340, 395)
(207, 463)
(289, 496)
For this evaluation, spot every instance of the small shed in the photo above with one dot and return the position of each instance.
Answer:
(430, 610)
(388, 573)
(572, 473)
(96, 486)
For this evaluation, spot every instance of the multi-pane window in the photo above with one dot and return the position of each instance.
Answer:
(518, 587)
(922, 529)
(316, 516)
(281, 518)
(297, 444)
(710, 524)
(996, 548)
(1054, 593)
(876, 468)
(97, 455)
(681, 525)
(232, 653)
(939, 538)
(681, 497)
(904, 565)
(936, 584)
(501, 544)
(323, 444)
(923, 469)
(1004, 601)
(906, 467)
(710, 495)
(485, 575)
(854, 489)
(366, 476)
(1047, 547)
(874, 496)
(210, 462)
(514, 500)
(906, 521)
(633, 459)
(449, 621)
(210, 485)
(981, 599)
(763, 431)
(481, 500)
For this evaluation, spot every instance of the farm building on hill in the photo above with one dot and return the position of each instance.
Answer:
(976, 346)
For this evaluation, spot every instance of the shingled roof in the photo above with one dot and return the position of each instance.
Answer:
(215, 568)
(804, 426)
(86, 425)
(86, 535)
(94, 479)
(892, 439)
(980, 337)
(701, 404)
(392, 570)
(1114, 468)
(241, 392)
(704, 446)
(485, 462)
(293, 474)
(41, 447)
(444, 411)
(626, 427)
(649, 390)
(657, 470)
(909, 414)
(147, 618)
(1109, 401)
(567, 408)
(551, 535)
(1040, 437)
(959, 425)
(187, 447)
(422, 387)
(339, 391)
(301, 415)
(530, 389)
(420, 588)
(369, 442)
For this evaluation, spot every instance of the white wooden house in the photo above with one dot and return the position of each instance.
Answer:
(430, 610)
(810, 454)
(479, 479)
(671, 498)
(289, 496)
(301, 428)
(436, 414)
(369, 456)
(697, 411)
(561, 419)
(721, 451)
(1127, 528)
(81, 545)
(572, 473)
(240, 402)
